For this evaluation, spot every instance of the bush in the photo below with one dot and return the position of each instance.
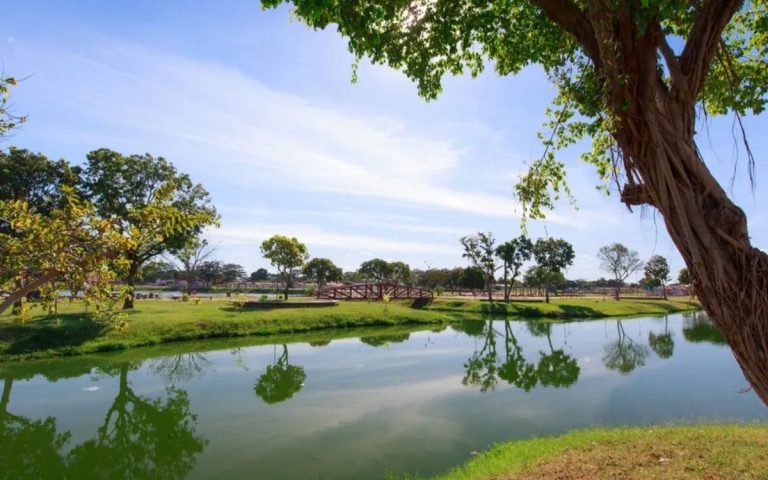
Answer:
(185, 297)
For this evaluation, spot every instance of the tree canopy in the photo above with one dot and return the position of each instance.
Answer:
(322, 271)
(285, 254)
(619, 261)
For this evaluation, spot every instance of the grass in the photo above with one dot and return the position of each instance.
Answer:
(160, 321)
(566, 308)
(639, 453)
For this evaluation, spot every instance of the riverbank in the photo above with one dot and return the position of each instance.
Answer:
(152, 322)
(679, 452)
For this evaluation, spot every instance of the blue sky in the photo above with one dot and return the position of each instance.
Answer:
(261, 110)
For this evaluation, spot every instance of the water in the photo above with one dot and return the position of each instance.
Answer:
(416, 401)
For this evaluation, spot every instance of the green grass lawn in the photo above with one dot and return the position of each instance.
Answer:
(158, 321)
(639, 453)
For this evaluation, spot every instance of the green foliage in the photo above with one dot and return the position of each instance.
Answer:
(375, 270)
(322, 271)
(281, 381)
(480, 251)
(472, 278)
(259, 275)
(34, 178)
(684, 278)
(657, 270)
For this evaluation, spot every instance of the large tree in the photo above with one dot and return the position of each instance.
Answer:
(285, 254)
(631, 76)
(512, 255)
(479, 250)
(552, 255)
(322, 271)
(621, 262)
(156, 206)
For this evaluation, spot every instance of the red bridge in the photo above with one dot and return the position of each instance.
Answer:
(373, 291)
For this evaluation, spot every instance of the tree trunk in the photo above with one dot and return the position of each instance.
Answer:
(730, 277)
(664, 290)
(133, 271)
(546, 293)
(617, 290)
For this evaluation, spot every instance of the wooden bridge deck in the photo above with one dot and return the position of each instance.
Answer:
(372, 291)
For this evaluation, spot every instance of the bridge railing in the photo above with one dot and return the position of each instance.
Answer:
(372, 291)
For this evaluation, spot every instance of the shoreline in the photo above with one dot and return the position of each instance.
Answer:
(155, 322)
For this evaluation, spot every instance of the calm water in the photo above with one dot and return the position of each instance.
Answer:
(357, 407)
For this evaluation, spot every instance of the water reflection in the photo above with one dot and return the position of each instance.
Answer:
(140, 437)
(662, 344)
(698, 328)
(624, 354)
(483, 369)
(380, 340)
(281, 381)
(180, 368)
(30, 448)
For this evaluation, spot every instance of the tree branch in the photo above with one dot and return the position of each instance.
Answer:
(703, 40)
(568, 16)
(20, 293)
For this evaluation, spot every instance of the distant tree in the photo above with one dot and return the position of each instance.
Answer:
(321, 271)
(512, 255)
(537, 276)
(684, 278)
(157, 207)
(472, 278)
(35, 179)
(232, 272)
(620, 261)
(552, 255)
(657, 271)
(479, 250)
(190, 258)
(352, 277)
(375, 270)
(285, 254)
(434, 277)
(211, 272)
(454, 278)
(400, 272)
(156, 270)
(259, 275)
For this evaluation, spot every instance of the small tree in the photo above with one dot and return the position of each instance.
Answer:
(211, 272)
(479, 249)
(191, 256)
(375, 270)
(552, 255)
(657, 271)
(684, 278)
(620, 261)
(259, 275)
(285, 254)
(322, 271)
(512, 254)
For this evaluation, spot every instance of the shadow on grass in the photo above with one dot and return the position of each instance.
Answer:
(66, 330)
(576, 311)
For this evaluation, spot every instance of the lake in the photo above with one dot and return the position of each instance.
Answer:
(358, 404)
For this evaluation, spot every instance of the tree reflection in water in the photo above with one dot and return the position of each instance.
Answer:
(624, 354)
(281, 381)
(554, 369)
(380, 340)
(180, 368)
(662, 343)
(140, 437)
(28, 448)
(697, 328)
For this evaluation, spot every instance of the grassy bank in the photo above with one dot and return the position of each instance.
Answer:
(680, 452)
(565, 308)
(72, 332)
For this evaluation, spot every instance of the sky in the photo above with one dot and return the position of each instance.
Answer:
(261, 110)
